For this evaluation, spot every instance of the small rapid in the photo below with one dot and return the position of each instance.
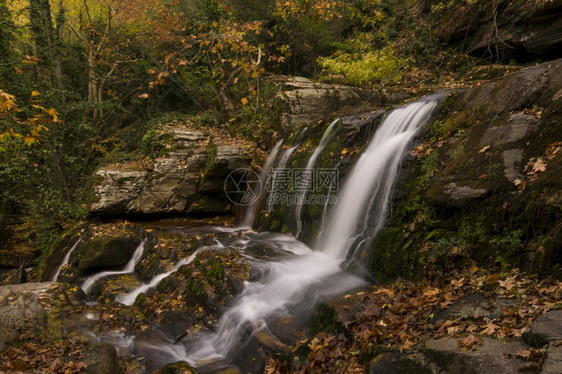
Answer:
(311, 163)
(129, 268)
(65, 260)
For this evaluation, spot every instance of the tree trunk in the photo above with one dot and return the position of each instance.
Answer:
(44, 37)
(61, 20)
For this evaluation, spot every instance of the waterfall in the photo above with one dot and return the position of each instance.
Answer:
(259, 189)
(65, 260)
(310, 165)
(284, 159)
(129, 268)
(368, 186)
(300, 279)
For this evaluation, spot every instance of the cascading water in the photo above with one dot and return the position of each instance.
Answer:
(368, 186)
(65, 260)
(301, 276)
(285, 158)
(286, 282)
(258, 192)
(129, 268)
(310, 165)
(129, 299)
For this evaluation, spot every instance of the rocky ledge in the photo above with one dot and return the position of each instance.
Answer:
(187, 178)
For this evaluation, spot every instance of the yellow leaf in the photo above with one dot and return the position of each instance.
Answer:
(53, 113)
(35, 93)
(29, 141)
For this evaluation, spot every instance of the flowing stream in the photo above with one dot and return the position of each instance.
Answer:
(368, 187)
(284, 159)
(286, 282)
(129, 268)
(299, 276)
(129, 298)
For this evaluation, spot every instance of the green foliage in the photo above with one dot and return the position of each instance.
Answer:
(379, 66)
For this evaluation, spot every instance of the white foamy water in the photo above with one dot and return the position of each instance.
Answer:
(251, 212)
(65, 260)
(129, 299)
(369, 183)
(324, 141)
(286, 282)
(304, 276)
(129, 268)
(283, 162)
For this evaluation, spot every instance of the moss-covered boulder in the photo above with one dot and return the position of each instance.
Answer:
(483, 184)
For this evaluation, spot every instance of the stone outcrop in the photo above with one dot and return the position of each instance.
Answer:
(498, 124)
(515, 29)
(309, 102)
(188, 178)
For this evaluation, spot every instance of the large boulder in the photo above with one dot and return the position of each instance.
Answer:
(20, 308)
(188, 178)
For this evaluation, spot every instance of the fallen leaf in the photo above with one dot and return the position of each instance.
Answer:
(483, 150)
(469, 342)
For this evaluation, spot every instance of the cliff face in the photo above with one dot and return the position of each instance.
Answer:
(510, 29)
(484, 181)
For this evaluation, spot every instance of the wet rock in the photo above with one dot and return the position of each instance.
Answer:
(488, 358)
(175, 323)
(178, 368)
(16, 276)
(102, 359)
(102, 252)
(545, 330)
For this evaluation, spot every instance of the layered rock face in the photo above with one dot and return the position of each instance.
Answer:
(514, 29)
(189, 178)
(309, 102)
